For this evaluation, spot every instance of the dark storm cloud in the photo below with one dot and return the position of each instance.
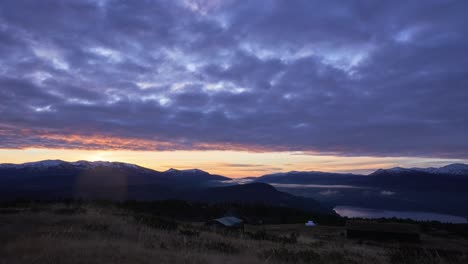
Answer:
(341, 77)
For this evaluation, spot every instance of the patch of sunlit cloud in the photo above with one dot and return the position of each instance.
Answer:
(346, 59)
(203, 7)
(161, 99)
(110, 54)
(78, 101)
(52, 55)
(223, 87)
(180, 86)
(407, 35)
(342, 58)
(40, 109)
(146, 85)
(39, 76)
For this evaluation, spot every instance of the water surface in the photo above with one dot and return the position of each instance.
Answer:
(327, 186)
(352, 212)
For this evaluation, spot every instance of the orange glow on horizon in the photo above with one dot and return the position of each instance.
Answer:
(228, 162)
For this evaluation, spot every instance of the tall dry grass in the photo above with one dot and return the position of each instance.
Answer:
(94, 234)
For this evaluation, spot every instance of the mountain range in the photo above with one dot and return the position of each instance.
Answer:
(51, 179)
(443, 190)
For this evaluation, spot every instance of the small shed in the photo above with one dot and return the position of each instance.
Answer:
(228, 222)
(310, 223)
(383, 231)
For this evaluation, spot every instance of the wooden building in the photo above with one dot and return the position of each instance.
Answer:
(227, 222)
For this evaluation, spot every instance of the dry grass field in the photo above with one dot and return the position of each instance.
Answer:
(59, 233)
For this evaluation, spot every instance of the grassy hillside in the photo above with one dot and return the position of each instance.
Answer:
(109, 233)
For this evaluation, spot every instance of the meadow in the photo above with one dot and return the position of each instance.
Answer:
(74, 233)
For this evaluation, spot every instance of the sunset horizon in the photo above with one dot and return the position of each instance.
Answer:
(233, 164)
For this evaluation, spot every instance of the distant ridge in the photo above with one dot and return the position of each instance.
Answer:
(434, 189)
(53, 175)
(443, 190)
(57, 163)
(451, 169)
(51, 179)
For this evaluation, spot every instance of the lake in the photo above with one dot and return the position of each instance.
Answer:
(323, 186)
(353, 212)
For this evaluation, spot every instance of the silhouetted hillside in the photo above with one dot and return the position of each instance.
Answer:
(256, 193)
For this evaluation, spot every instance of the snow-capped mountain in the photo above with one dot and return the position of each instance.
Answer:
(57, 163)
(443, 190)
(455, 169)
(60, 174)
(37, 164)
(52, 179)
(395, 171)
(452, 169)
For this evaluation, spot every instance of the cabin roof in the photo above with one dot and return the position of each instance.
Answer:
(229, 221)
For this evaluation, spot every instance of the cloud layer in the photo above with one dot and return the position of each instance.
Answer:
(340, 77)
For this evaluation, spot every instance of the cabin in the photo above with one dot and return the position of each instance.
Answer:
(383, 231)
(227, 222)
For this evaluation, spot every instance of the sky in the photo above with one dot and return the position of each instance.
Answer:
(239, 88)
